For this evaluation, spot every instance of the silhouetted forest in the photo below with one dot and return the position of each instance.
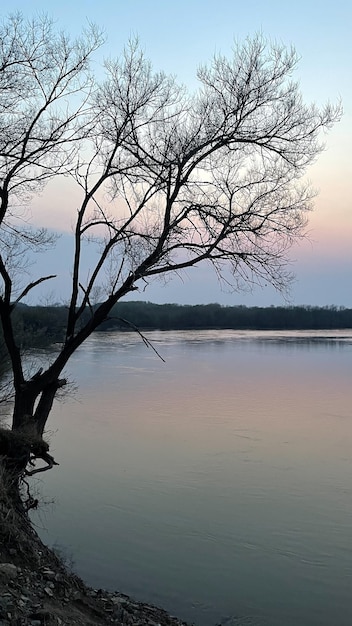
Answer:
(38, 326)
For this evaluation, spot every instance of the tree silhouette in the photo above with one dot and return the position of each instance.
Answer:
(167, 179)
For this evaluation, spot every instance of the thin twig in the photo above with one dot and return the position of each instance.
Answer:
(143, 337)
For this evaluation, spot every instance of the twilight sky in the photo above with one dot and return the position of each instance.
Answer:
(177, 36)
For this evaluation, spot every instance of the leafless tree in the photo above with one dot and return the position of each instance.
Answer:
(171, 179)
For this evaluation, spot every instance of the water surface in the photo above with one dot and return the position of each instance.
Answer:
(217, 484)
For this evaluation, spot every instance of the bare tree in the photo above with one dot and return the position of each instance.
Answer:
(172, 179)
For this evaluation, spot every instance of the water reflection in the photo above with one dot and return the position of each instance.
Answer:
(217, 483)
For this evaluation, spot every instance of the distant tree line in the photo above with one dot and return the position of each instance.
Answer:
(40, 326)
(146, 315)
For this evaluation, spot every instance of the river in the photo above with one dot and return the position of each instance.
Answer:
(217, 484)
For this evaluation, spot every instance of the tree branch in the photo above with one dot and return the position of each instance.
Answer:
(31, 286)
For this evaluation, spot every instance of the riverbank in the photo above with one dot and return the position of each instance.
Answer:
(36, 588)
(51, 596)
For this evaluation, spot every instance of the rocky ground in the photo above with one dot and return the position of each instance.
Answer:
(47, 594)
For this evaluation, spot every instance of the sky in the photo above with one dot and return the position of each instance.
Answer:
(178, 36)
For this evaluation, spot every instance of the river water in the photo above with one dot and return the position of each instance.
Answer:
(217, 484)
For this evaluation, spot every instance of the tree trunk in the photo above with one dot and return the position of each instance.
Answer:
(23, 411)
(21, 446)
(45, 404)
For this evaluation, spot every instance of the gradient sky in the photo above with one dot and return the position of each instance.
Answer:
(178, 36)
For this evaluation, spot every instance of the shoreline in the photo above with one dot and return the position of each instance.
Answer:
(49, 595)
(37, 588)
